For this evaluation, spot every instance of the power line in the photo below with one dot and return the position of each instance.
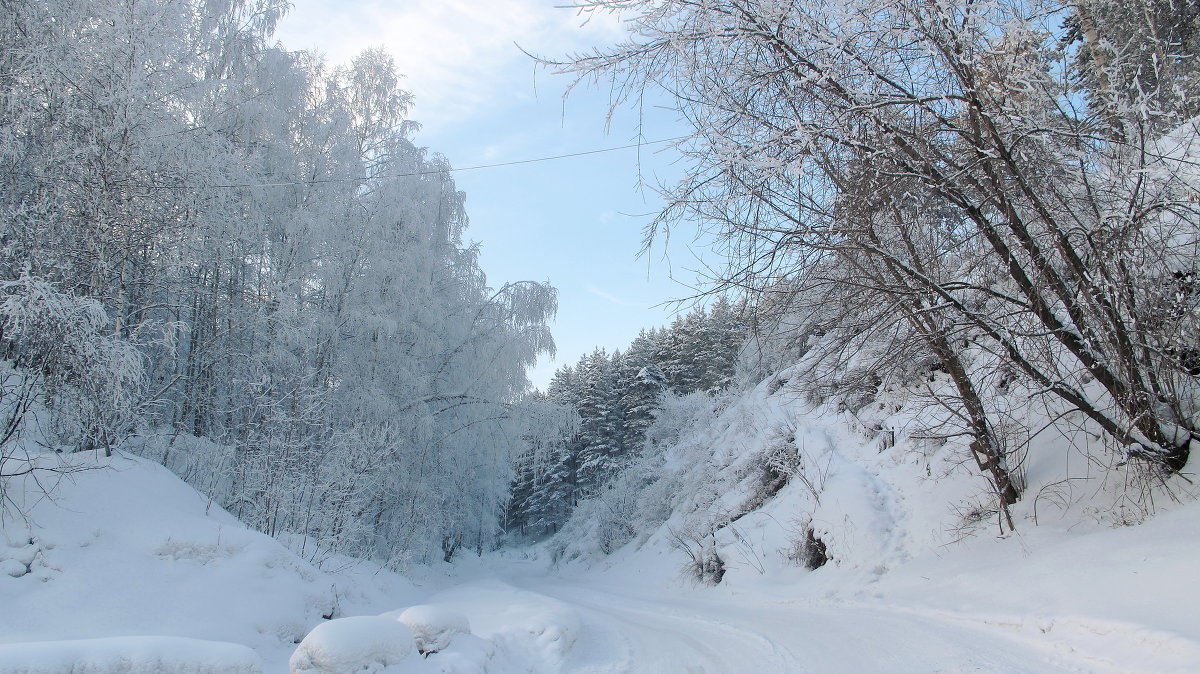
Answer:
(319, 181)
(561, 156)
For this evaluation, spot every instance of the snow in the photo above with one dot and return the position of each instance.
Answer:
(358, 644)
(126, 549)
(527, 629)
(433, 627)
(128, 655)
(129, 569)
(1097, 577)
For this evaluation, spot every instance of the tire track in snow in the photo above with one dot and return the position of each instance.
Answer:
(663, 639)
(729, 635)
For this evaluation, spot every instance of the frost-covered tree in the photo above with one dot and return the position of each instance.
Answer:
(601, 422)
(57, 351)
(540, 500)
(722, 334)
(260, 231)
(640, 386)
(1081, 231)
(618, 397)
(1127, 48)
(681, 352)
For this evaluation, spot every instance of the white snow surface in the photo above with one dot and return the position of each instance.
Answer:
(1099, 576)
(129, 550)
(356, 644)
(433, 627)
(129, 655)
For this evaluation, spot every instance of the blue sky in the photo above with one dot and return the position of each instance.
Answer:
(575, 222)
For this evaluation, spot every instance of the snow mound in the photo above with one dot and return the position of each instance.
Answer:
(16, 559)
(433, 627)
(359, 644)
(512, 630)
(129, 655)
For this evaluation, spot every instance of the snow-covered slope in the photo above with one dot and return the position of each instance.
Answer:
(126, 549)
(123, 568)
(1099, 574)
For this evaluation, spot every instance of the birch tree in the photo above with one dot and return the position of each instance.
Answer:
(1079, 231)
(265, 265)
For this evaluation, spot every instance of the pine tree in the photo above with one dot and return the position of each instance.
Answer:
(640, 385)
(722, 334)
(679, 350)
(600, 422)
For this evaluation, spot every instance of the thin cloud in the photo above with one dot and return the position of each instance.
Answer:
(612, 298)
(457, 55)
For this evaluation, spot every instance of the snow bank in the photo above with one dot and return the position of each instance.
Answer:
(127, 548)
(359, 644)
(129, 655)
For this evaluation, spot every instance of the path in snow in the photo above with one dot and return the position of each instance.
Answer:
(614, 630)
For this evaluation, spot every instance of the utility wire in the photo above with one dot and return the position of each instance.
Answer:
(561, 156)
(319, 181)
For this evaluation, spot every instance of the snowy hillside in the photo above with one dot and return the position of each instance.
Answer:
(125, 568)
(1097, 576)
(126, 549)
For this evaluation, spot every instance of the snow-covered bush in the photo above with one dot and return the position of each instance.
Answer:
(774, 467)
(678, 414)
(808, 551)
(704, 564)
(358, 644)
(60, 365)
(58, 347)
(433, 627)
(612, 516)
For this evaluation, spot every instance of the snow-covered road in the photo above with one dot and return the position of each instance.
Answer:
(626, 634)
(550, 624)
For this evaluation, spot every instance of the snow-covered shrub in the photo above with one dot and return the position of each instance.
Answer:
(774, 467)
(433, 627)
(616, 515)
(704, 564)
(359, 644)
(60, 349)
(808, 550)
(678, 415)
(595, 528)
